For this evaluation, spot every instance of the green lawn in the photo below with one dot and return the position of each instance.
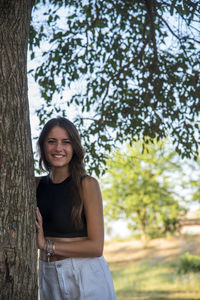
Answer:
(151, 278)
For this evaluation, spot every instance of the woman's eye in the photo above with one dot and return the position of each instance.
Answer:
(66, 142)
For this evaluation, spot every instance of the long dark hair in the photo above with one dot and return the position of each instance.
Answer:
(76, 165)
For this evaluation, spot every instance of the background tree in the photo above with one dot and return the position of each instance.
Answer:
(18, 251)
(140, 64)
(140, 189)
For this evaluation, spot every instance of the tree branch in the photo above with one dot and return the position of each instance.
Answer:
(150, 6)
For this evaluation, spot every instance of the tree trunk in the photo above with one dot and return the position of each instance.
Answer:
(142, 226)
(18, 251)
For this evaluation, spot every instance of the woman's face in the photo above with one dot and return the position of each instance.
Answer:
(57, 148)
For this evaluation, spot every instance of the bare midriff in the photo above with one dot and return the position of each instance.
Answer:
(55, 257)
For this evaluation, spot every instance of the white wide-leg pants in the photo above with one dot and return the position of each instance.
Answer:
(76, 279)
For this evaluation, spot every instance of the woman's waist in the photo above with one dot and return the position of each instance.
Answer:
(43, 256)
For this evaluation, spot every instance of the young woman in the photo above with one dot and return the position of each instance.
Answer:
(69, 220)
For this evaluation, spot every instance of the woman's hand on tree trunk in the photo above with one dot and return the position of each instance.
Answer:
(41, 242)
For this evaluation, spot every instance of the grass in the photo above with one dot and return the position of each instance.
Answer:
(153, 280)
(153, 274)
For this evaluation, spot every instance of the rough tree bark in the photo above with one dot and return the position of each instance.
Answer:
(18, 253)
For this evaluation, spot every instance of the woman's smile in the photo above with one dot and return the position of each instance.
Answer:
(58, 156)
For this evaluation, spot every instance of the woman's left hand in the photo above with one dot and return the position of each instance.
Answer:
(41, 242)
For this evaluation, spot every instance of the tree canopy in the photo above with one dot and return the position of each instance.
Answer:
(139, 188)
(139, 61)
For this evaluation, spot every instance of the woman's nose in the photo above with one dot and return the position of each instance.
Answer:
(58, 146)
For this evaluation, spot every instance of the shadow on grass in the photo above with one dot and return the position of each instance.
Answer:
(170, 254)
(159, 249)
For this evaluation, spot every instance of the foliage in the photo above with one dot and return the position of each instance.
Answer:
(191, 182)
(189, 263)
(194, 183)
(139, 188)
(140, 64)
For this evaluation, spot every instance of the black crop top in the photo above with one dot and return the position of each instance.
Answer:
(55, 205)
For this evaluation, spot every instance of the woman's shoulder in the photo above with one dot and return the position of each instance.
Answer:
(88, 178)
(89, 182)
(91, 192)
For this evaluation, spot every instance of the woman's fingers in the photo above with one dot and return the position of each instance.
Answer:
(37, 225)
(38, 215)
(41, 242)
(38, 222)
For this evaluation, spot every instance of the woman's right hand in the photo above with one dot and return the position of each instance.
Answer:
(41, 242)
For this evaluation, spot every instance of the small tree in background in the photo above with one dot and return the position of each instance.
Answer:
(138, 187)
(192, 183)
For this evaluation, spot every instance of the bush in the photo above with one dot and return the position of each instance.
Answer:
(189, 263)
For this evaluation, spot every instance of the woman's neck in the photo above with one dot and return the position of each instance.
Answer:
(58, 175)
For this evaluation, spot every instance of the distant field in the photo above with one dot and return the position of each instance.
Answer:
(150, 273)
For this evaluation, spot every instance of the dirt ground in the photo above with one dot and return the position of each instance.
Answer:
(165, 249)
